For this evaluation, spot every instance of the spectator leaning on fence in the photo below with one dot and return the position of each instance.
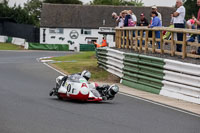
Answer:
(128, 20)
(179, 17)
(114, 16)
(133, 16)
(143, 21)
(197, 20)
(156, 23)
(154, 8)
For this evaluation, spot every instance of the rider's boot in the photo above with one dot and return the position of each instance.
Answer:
(53, 92)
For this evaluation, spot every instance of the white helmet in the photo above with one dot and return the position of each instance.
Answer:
(86, 74)
(113, 90)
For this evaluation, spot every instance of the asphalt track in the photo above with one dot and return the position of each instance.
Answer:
(25, 106)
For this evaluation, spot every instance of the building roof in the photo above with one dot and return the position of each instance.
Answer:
(91, 16)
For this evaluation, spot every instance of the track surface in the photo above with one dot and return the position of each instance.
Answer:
(25, 106)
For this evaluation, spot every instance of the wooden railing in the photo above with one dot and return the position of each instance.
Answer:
(128, 38)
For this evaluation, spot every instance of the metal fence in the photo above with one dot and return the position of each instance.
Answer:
(29, 32)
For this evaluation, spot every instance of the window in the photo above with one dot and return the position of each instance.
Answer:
(56, 30)
(86, 31)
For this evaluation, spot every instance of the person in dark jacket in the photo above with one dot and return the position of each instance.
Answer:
(143, 21)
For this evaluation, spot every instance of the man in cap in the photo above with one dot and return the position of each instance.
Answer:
(143, 21)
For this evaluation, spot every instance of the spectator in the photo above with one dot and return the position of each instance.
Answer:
(191, 24)
(128, 20)
(114, 16)
(179, 16)
(198, 24)
(122, 17)
(154, 8)
(134, 18)
(156, 23)
(167, 34)
(143, 21)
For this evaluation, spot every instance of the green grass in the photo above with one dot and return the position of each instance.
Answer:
(82, 61)
(9, 46)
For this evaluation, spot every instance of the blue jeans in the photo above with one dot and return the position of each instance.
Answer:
(158, 36)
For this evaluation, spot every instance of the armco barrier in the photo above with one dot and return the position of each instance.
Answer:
(165, 77)
(145, 73)
(3, 38)
(180, 91)
(186, 68)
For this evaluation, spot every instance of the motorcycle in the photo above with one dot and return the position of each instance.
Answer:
(76, 87)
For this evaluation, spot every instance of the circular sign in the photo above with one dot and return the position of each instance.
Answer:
(73, 34)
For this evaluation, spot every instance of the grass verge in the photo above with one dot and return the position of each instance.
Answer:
(83, 61)
(9, 46)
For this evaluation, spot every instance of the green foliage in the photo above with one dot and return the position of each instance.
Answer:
(16, 13)
(63, 1)
(191, 8)
(33, 7)
(117, 2)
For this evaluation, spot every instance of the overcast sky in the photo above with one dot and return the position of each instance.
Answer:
(146, 2)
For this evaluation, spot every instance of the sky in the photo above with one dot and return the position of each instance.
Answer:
(168, 3)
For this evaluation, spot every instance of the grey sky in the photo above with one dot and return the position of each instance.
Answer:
(146, 2)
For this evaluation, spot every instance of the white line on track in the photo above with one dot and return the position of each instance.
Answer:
(139, 98)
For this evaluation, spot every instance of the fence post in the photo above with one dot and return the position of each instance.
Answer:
(120, 39)
(123, 39)
(116, 39)
(131, 39)
(153, 41)
(141, 40)
(146, 40)
(184, 46)
(161, 42)
(127, 39)
(136, 40)
(172, 44)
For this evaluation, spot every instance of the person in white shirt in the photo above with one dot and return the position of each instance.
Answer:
(134, 18)
(179, 18)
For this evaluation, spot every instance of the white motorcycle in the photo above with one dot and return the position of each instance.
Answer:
(76, 87)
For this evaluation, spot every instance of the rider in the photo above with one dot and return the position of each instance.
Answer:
(108, 92)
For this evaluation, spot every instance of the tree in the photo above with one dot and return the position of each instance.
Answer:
(191, 8)
(16, 13)
(117, 2)
(33, 7)
(64, 1)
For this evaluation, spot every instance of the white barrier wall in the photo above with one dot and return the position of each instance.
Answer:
(3, 38)
(18, 41)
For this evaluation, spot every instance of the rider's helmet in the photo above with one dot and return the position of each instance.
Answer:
(86, 74)
(113, 89)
